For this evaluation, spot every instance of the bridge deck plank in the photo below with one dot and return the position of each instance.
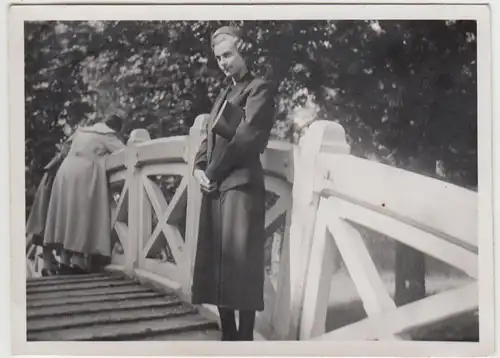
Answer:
(74, 308)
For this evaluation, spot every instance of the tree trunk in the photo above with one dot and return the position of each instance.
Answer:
(410, 263)
(410, 275)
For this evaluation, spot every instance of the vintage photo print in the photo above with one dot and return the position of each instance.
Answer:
(201, 179)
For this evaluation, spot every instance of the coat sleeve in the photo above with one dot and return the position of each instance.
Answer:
(200, 159)
(63, 153)
(252, 134)
(113, 144)
(54, 162)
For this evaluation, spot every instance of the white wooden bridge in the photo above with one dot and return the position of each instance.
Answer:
(326, 209)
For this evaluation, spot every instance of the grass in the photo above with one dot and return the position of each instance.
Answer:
(346, 307)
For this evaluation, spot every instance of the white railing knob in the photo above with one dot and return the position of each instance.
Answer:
(200, 123)
(138, 136)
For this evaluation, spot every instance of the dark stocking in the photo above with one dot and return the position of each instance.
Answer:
(228, 323)
(247, 323)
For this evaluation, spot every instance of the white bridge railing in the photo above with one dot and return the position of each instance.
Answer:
(428, 215)
(318, 195)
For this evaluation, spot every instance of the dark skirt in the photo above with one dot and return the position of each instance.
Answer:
(35, 225)
(229, 263)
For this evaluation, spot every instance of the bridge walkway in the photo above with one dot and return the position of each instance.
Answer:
(110, 307)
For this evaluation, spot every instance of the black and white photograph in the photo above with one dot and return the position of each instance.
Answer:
(252, 173)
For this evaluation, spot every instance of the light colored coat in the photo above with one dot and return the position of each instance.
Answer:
(79, 214)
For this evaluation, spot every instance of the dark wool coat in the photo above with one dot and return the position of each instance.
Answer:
(38, 214)
(229, 263)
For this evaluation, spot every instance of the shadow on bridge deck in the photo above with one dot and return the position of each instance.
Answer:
(109, 307)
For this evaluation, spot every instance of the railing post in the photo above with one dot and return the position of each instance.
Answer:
(196, 135)
(321, 136)
(139, 210)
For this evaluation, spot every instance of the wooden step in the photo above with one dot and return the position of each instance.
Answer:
(107, 317)
(99, 291)
(65, 277)
(198, 335)
(92, 307)
(129, 331)
(61, 287)
(94, 298)
(110, 307)
(72, 279)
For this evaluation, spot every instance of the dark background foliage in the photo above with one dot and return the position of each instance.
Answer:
(405, 91)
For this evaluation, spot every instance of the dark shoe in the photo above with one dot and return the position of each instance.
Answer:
(245, 337)
(229, 336)
(47, 272)
(78, 270)
(65, 270)
(71, 270)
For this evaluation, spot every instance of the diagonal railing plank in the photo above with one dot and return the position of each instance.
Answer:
(430, 310)
(359, 263)
(171, 233)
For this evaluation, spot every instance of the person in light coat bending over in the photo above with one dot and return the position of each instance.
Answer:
(79, 213)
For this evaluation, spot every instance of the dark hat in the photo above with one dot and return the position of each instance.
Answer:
(114, 122)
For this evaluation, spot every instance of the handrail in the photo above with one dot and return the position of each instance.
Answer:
(329, 192)
(423, 199)
(276, 160)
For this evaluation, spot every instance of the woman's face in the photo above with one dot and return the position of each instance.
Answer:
(228, 58)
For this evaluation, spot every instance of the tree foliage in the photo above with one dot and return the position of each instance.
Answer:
(405, 91)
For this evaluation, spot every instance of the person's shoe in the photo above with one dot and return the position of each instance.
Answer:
(65, 270)
(78, 270)
(48, 272)
(245, 336)
(229, 336)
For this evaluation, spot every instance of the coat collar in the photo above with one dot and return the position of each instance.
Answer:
(235, 89)
(100, 128)
(238, 87)
(246, 77)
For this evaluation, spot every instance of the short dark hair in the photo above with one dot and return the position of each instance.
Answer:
(114, 122)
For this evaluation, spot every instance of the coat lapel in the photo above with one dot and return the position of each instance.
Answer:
(240, 90)
(236, 96)
(213, 114)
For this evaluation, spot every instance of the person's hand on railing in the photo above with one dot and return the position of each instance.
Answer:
(53, 165)
(204, 182)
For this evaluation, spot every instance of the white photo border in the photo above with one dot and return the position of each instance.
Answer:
(226, 10)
